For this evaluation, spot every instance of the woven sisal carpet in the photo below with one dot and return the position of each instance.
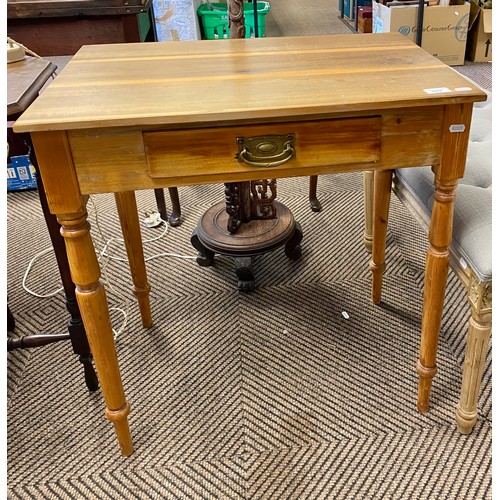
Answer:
(267, 395)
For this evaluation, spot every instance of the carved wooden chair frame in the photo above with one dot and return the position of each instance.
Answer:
(479, 294)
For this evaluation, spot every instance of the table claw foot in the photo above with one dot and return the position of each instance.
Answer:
(293, 249)
(244, 272)
(205, 256)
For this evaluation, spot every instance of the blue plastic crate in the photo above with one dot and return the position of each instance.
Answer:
(20, 174)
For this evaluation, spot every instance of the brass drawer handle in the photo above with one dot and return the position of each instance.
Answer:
(265, 150)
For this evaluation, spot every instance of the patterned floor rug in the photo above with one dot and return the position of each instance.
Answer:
(270, 394)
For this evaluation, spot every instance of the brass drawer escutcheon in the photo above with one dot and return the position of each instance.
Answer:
(265, 151)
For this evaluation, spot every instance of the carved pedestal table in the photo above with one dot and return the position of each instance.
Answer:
(250, 222)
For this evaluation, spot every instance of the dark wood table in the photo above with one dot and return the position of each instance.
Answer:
(25, 79)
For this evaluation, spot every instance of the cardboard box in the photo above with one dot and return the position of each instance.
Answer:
(365, 19)
(444, 31)
(480, 36)
(177, 20)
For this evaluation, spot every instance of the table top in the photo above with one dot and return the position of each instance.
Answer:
(25, 79)
(216, 82)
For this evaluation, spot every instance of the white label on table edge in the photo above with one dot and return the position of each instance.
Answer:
(438, 90)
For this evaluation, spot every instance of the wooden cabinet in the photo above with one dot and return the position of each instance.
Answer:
(61, 27)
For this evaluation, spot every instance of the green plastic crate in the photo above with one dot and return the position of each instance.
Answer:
(215, 23)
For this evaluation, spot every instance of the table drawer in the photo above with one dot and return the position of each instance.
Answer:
(262, 149)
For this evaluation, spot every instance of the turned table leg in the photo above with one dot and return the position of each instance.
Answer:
(91, 298)
(131, 230)
(454, 141)
(382, 197)
(436, 274)
(368, 182)
(67, 203)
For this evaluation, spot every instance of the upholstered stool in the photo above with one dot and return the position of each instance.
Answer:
(470, 251)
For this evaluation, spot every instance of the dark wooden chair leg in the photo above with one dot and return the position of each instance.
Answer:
(35, 341)
(11, 320)
(76, 329)
(160, 203)
(313, 200)
(175, 219)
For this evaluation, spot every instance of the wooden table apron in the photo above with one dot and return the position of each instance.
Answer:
(417, 113)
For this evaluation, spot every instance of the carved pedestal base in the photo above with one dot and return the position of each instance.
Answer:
(253, 238)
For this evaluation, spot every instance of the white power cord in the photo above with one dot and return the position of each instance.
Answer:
(28, 269)
(153, 219)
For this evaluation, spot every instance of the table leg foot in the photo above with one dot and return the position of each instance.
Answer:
(465, 421)
(314, 203)
(100, 334)
(119, 419)
(426, 374)
(205, 256)
(244, 272)
(293, 249)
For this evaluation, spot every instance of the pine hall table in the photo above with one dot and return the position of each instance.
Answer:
(126, 117)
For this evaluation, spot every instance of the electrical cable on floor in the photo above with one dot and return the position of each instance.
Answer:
(28, 269)
(104, 257)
